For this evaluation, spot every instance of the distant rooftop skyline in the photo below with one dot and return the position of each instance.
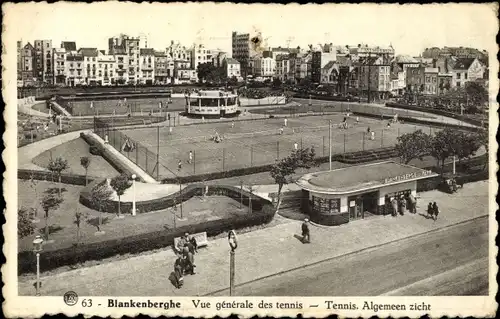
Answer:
(409, 28)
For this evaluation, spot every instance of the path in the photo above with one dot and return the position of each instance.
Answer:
(261, 253)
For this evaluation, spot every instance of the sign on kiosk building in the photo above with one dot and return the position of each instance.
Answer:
(335, 197)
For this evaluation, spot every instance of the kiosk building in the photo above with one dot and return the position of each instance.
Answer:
(335, 197)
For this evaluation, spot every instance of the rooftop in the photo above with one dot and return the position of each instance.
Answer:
(231, 61)
(92, 52)
(463, 63)
(361, 177)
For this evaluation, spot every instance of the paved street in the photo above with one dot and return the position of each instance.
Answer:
(265, 252)
(452, 261)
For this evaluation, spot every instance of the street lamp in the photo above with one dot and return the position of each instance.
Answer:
(133, 198)
(233, 243)
(37, 249)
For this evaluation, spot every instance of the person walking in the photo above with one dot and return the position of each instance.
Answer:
(305, 231)
(295, 146)
(232, 124)
(430, 210)
(394, 204)
(179, 165)
(190, 160)
(281, 130)
(372, 135)
(179, 272)
(285, 122)
(192, 245)
(435, 208)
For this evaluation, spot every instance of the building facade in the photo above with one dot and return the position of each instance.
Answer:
(127, 50)
(265, 67)
(59, 66)
(375, 77)
(243, 51)
(431, 81)
(28, 65)
(232, 68)
(146, 66)
(74, 69)
(43, 68)
(106, 69)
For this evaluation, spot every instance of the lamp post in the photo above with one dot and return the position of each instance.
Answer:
(233, 243)
(37, 249)
(133, 195)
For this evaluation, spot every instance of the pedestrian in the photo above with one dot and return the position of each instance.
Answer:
(430, 210)
(305, 231)
(170, 129)
(203, 119)
(403, 204)
(413, 203)
(295, 146)
(179, 272)
(232, 124)
(286, 122)
(357, 119)
(193, 244)
(372, 135)
(388, 124)
(179, 165)
(394, 203)
(281, 130)
(190, 160)
(368, 130)
(435, 208)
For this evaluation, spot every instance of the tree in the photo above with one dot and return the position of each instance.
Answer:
(100, 194)
(204, 70)
(476, 93)
(277, 83)
(283, 170)
(233, 80)
(50, 202)
(413, 145)
(120, 184)
(78, 222)
(465, 144)
(57, 166)
(25, 225)
(85, 162)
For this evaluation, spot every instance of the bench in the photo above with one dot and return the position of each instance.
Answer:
(201, 240)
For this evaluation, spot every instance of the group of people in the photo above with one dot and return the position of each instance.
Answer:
(403, 203)
(433, 210)
(186, 248)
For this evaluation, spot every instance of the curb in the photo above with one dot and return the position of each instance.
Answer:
(346, 254)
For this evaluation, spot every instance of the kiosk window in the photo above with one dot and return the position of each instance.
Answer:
(325, 205)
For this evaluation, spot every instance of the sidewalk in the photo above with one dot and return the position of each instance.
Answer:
(261, 253)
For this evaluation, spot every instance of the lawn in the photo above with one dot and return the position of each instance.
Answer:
(253, 143)
(72, 151)
(42, 107)
(63, 228)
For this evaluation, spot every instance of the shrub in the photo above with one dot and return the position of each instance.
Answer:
(94, 150)
(72, 179)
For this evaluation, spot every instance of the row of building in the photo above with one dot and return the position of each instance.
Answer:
(125, 62)
(359, 69)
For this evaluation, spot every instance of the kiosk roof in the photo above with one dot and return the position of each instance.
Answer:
(362, 177)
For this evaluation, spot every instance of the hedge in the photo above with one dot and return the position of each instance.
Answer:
(143, 242)
(111, 158)
(72, 179)
(434, 111)
(168, 201)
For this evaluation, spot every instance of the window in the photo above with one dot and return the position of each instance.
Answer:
(458, 75)
(465, 76)
(458, 84)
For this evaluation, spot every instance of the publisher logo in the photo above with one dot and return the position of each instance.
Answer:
(70, 298)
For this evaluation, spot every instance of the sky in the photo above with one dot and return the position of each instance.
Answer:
(409, 28)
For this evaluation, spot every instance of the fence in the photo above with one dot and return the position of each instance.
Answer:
(247, 150)
(139, 154)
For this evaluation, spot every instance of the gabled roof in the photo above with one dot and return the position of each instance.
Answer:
(231, 61)
(463, 63)
(28, 46)
(91, 52)
(68, 45)
(147, 51)
(405, 59)
(329, 65)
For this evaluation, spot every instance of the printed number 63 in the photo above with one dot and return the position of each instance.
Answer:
(86, 302)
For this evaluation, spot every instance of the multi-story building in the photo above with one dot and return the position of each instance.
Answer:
(445, 82)
(44, 71)
(200, 55)
(128, 49)
(319, 60)
(264, 67)
(283, 68)
(59, 56)
(371, 51)
(465, 70)
(121, 60)
(218, 58)
(19, 61)
(178, 52)
(430, 81)
(146, 66)
(232, 67)
(74, 69)
(415, 80)
(244, 51)
(164, 68)
(375, 77)
(459, 52)
(89, 65)
(28, 65)
(106, 69)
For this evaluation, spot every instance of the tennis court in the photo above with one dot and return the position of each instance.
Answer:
(254, 143)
